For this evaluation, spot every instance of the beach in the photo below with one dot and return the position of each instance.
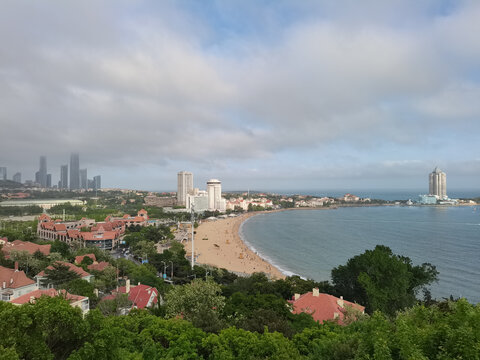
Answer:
(218, 243)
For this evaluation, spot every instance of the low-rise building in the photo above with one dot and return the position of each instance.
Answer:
(323, 307)
(14, 283)
(78, 270)
(81, 302)
(141, 296)
(29, 247)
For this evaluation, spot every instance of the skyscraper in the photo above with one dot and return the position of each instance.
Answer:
(64, 176)
(184, 186)
(42, 172)
(214, 191)
(74, 171)
(97, 182)
(437, 183)
(3, 173)
(83, 179)
(17, 177)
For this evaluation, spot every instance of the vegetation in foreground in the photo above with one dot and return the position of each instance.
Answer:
(51, 329)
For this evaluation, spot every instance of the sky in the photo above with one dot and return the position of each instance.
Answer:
(263, 95)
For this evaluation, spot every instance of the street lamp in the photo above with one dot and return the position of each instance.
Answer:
(171, 274)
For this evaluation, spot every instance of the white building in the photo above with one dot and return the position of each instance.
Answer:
(184, 186)
(437, 184)
(199, 199)
(214, 192)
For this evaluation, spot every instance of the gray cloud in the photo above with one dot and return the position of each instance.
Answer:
(142, 84)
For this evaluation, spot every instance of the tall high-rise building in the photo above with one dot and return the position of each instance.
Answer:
(74, 171)
(97, 182)
(17, 177)
(42, 172)
(3, 173)
(214, 191)
(63, 177)
(184, 186)
(83, 179)
(49, 181)
(437, 183)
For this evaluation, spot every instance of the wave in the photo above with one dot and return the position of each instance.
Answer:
(284, 271)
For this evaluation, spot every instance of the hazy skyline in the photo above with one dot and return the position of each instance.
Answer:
(263, 95)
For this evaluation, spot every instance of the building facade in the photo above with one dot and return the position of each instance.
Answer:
(184, 186)
(3, 173)
(97, 182)
(214, 192)
(42, 172)
(63, 177)
(83, 179)
(74, 171)
(17, 177)
(437, 182)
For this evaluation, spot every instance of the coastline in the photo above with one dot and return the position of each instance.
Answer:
(219, 243)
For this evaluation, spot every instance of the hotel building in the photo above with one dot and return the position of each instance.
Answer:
(437, 183)
(184, 186)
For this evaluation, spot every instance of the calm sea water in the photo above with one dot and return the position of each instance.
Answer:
(312, 242)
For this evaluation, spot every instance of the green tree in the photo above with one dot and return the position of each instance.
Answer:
(144, 249)
(381, 280)
(199, 302)
(114, 306)
(83, 288)
(59, 274)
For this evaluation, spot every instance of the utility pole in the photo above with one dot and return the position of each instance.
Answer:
(171, 272)
(193, 222)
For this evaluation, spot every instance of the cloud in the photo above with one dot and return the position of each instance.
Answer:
(156, 84)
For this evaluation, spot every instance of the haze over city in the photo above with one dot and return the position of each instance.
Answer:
(269, 96)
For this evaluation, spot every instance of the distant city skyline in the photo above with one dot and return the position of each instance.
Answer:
(265, 95)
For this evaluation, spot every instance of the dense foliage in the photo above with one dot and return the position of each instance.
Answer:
(51, 329)
(381, 280)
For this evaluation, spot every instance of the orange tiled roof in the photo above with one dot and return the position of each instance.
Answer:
(79, 258)
(72, 267)
(13, 279)
(322, 307)
(24, 299)
(102, 265)
(27, 246)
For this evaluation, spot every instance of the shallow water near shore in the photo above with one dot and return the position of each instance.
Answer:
(312, 242)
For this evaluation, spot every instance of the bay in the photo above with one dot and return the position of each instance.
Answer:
(312, 242)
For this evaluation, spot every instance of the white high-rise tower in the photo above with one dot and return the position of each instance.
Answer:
(437, 184)
(184, 186)
(214, 191)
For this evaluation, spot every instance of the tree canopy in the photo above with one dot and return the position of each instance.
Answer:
(381, 280)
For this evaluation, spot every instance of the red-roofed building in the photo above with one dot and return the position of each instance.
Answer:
(3, 240)
(102, 265)
(27, 246)
(141, 296)
(82, 273)
(81, 302)
(14, 283)
(79, 258)
(322, 307)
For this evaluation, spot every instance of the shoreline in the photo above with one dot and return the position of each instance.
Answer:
(219, 243)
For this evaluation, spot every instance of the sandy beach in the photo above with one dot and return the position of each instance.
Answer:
(218, 244)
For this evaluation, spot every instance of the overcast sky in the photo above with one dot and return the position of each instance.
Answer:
(265, 95)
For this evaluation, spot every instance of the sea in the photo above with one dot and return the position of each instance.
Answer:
(310, 243)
